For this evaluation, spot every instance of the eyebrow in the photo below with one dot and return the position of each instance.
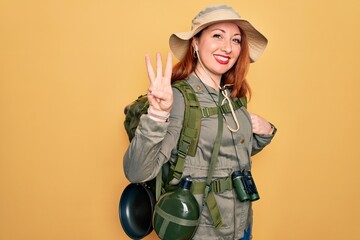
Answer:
(225, 31)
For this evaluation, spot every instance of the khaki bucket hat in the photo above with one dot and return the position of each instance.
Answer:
(179, 42)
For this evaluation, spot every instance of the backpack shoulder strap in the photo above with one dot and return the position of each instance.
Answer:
(189, 136)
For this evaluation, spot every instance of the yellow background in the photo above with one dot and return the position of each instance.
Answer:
(68, 68)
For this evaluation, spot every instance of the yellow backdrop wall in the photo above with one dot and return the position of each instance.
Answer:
(68, 68)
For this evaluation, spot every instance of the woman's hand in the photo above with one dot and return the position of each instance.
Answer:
(260, 125)
(160, 93)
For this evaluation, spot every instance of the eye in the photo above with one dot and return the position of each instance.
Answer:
(237, 41)
(216, 35)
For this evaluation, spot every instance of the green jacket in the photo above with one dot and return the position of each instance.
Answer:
(155, 143)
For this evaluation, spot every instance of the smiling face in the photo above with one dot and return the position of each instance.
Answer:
(219, 47)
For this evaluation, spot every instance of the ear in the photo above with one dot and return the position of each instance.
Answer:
(195, 44)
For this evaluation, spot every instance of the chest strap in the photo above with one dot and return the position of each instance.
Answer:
(237, 103)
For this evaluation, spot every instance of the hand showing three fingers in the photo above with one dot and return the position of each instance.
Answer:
(160, 93)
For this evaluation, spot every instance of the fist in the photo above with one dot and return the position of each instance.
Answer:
(260, 125)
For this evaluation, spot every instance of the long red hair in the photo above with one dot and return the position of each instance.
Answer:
(236, 76)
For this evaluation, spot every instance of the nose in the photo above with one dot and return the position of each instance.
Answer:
(227, 47)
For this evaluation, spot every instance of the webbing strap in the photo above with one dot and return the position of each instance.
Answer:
(189, 136)
(177, 220)
(214, 210)
(217, 186)
(158, 185)
(209, 196)
(225, 108)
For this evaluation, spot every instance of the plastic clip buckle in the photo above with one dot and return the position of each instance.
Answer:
(205, 112)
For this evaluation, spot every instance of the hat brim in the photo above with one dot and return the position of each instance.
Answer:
(179, 42)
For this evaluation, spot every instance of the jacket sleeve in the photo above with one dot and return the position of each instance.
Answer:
(153, 142)
(260, 141)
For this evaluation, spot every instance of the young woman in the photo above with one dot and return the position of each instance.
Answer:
(214, 59)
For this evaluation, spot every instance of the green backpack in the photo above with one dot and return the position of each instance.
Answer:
(190, 132)
(189, 136)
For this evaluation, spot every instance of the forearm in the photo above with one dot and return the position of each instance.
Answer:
(262, 140)
(153, 142)
(144, 158)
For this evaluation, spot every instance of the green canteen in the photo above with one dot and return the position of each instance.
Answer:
(177, 213)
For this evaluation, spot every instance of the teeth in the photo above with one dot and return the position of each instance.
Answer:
(222, 58)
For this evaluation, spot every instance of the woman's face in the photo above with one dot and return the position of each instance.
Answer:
(219, 47)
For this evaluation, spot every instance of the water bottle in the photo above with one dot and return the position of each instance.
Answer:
(177, 213)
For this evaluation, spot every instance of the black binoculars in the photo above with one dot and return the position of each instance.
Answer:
(244, 186)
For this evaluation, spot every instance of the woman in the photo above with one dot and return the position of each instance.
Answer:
(214, 59)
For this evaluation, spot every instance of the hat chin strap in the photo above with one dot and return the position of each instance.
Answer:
(224, 93)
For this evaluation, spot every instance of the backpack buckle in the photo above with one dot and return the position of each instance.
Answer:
(205, 112)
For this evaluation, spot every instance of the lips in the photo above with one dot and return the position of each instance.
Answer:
(222, 59)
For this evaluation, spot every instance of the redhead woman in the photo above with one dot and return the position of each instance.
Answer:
(214, 58)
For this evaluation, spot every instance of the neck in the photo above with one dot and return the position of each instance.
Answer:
(207, 78)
